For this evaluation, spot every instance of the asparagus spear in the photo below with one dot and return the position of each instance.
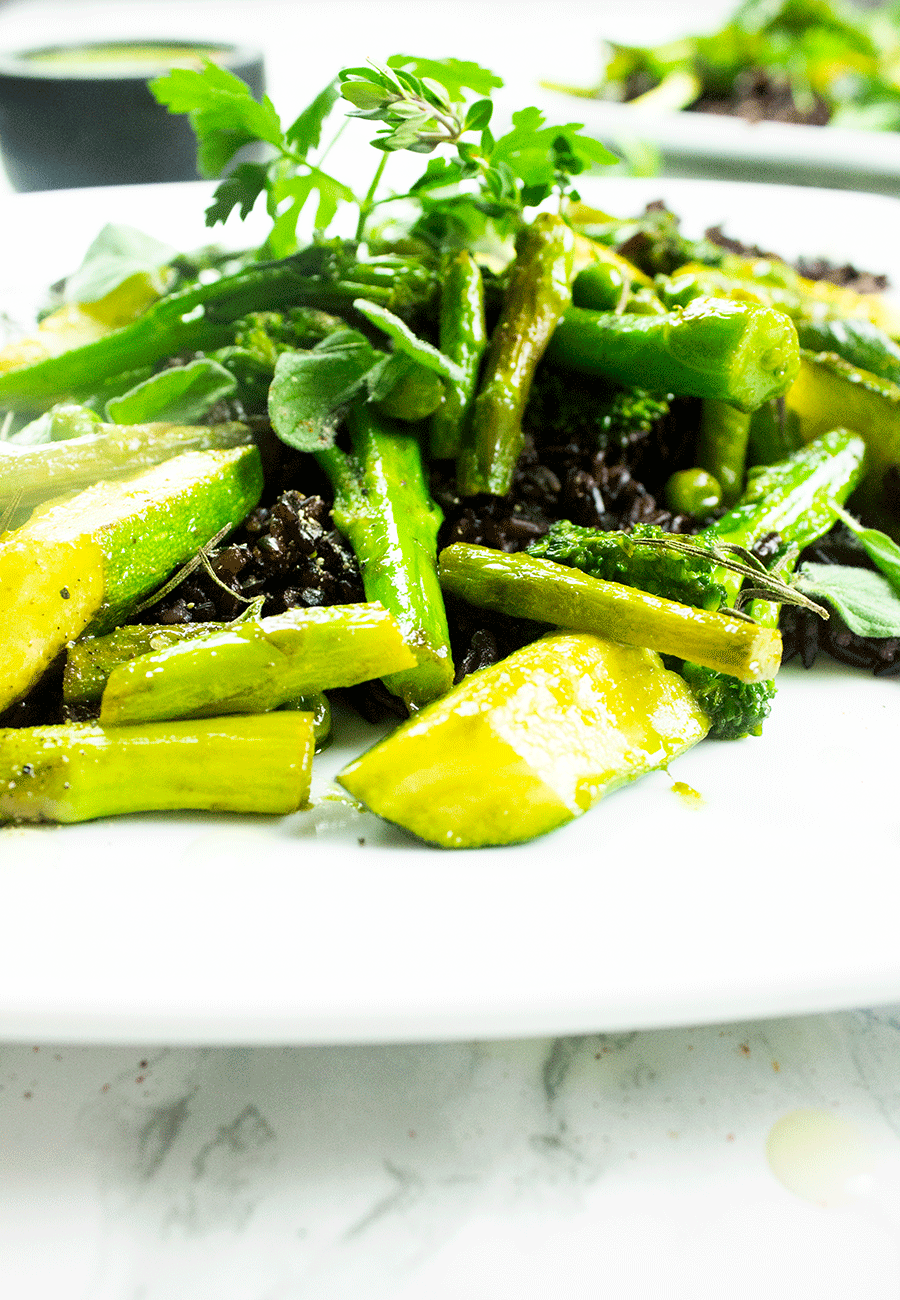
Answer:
(735, 352)
(463, 338)
(538, 293)
(74, 773)
(722, 450)
(256, 665)
(530, 587)
(201, 318)
(382, 505)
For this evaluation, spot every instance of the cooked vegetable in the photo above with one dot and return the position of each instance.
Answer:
(530, 587)
(78, 772)
(85, 563)
(49, 470)
(732, 351)
(722, 450)
(202, 317)
(383, 507)
(463, 338)
(585, 405)
(256, 665)
(528, 744)
(797, 499)
(831, 391)
(540, 289)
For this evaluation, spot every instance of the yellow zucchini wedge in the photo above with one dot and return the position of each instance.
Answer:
(529, 743)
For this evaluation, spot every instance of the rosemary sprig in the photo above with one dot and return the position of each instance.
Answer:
(768, 584)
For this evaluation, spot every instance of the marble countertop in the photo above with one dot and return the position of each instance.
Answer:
(745, 1160)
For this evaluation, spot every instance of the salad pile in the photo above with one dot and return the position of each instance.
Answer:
(533, 481)
(811, 62)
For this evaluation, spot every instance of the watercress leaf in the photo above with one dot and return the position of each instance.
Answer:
(310, 389)
(118, 253)
(405, 341)
(454, 75)
(386, 374)
(866, 601)
(240, 190)
(179, 395)
(305, 131)
(881, 549)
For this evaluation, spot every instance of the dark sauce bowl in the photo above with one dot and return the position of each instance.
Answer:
(78, 115)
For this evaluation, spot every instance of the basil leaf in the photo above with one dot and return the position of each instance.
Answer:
(118, 253)
(866, 601)
(311, 388)
(881, 549)
(181, 395)
(405, 341)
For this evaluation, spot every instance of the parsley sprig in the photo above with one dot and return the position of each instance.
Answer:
(422, 105)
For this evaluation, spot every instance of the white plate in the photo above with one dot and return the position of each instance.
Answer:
(780, 894)
(706, 144)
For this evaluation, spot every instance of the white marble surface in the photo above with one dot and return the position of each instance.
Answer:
(628, 1165)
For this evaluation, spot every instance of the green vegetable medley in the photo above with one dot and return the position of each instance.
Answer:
(411, 364)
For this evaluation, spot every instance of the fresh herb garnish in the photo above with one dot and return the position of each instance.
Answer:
(866, 601)
(421, 104)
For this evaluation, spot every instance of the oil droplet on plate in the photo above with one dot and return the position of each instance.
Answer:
(688, 795)
(821, 1157)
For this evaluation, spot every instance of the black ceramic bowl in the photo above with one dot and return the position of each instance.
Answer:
(77, 115)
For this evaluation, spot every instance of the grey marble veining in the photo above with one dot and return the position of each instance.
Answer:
(455, 1170)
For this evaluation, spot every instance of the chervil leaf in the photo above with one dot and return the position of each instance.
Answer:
(866, 601)
(305, 132)
(222, 111)
(439, 173)
(536, 154)
(310, 389)
(240, 189)
(454, 75)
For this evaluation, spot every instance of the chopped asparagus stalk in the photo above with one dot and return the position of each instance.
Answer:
(539, 290)
(734, 352)
(528, 587)
(529, 743)
(382, 505)
(90, 661)
(257, 665)
(76, 772)
(85, 562)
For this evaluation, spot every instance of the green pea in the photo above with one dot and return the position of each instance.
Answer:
(693, 492)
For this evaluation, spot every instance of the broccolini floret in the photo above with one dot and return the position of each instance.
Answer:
(735, 709)
(591, 411)
(794, 498)
(620, 557)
